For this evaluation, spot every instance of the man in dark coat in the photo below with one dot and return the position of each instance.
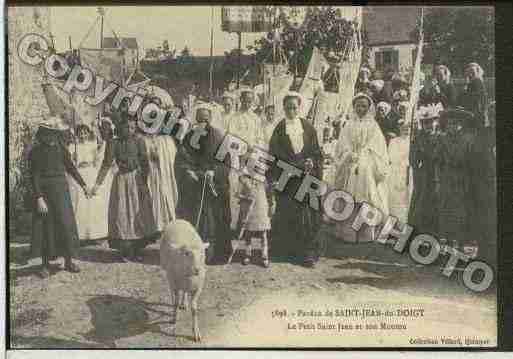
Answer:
(484, 190)
(295, 224)
(423, 210)
(203, 186)
(454, 157)
(54, 228)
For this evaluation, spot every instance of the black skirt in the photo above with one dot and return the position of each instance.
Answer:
(54, 234)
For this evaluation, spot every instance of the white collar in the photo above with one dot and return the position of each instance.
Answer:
(293, 127)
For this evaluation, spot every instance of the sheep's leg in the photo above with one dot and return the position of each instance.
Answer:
(248, 249)
(265, 249)
(194, 310)
(183, 300)
(172, 291)
(175, 311)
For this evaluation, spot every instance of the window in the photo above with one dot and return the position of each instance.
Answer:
(387, 60)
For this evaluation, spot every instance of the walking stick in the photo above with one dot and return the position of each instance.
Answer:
(201, 201)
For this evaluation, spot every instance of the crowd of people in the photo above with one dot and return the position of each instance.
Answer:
(120, 183)
(449, 158)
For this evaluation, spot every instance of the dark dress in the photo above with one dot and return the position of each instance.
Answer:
(484, 190)
(362, 86)
(215, 215)
(381, 96)
(475, 100)
(390, 124)
(423, 208)
(294, 224)
(447, 96)
(455, 198)
(54, 234)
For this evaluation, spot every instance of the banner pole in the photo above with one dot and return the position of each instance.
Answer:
(211, 72)
(239, 59)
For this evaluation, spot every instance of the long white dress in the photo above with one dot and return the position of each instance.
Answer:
(247, 126)
(364, 179)
(91, 214)
(162, 185)
(399, 188)
(222, 120)
(267, 131)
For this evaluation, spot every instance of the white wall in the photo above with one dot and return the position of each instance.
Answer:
(405, 54)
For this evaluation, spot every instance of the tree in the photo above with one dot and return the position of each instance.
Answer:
(165, 46)
(186, 57)
(324, 27)
(186, 53)
(459, 35)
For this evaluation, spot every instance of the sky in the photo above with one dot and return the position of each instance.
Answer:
(151, 25)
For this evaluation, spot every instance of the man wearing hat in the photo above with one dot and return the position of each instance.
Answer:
(229, 100)
(54, 229)
(198, 169)
(422, 213)
(454, 159)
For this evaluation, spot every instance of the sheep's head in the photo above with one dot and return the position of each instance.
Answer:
(193, 258)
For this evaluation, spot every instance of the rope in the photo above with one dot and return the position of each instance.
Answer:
(114, 33)
(89, 31)
(202, 199)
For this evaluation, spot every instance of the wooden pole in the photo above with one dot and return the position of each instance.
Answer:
(101, 31)
(239, 59)
(53, 42)
(274, 55)
(211, 72)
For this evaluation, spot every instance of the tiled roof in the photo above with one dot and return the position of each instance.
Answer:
(390, 24)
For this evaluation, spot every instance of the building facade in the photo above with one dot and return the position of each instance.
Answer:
(390, 35)
(130, 47)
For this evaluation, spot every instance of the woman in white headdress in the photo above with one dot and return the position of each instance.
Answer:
(90, 213)
(161, 151)
(362, 164)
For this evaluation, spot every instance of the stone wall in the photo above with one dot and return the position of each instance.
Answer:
(26, 101)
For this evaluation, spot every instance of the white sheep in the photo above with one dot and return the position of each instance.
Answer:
(182, 257)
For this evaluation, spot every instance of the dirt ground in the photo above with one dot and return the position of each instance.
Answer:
(110, 304)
